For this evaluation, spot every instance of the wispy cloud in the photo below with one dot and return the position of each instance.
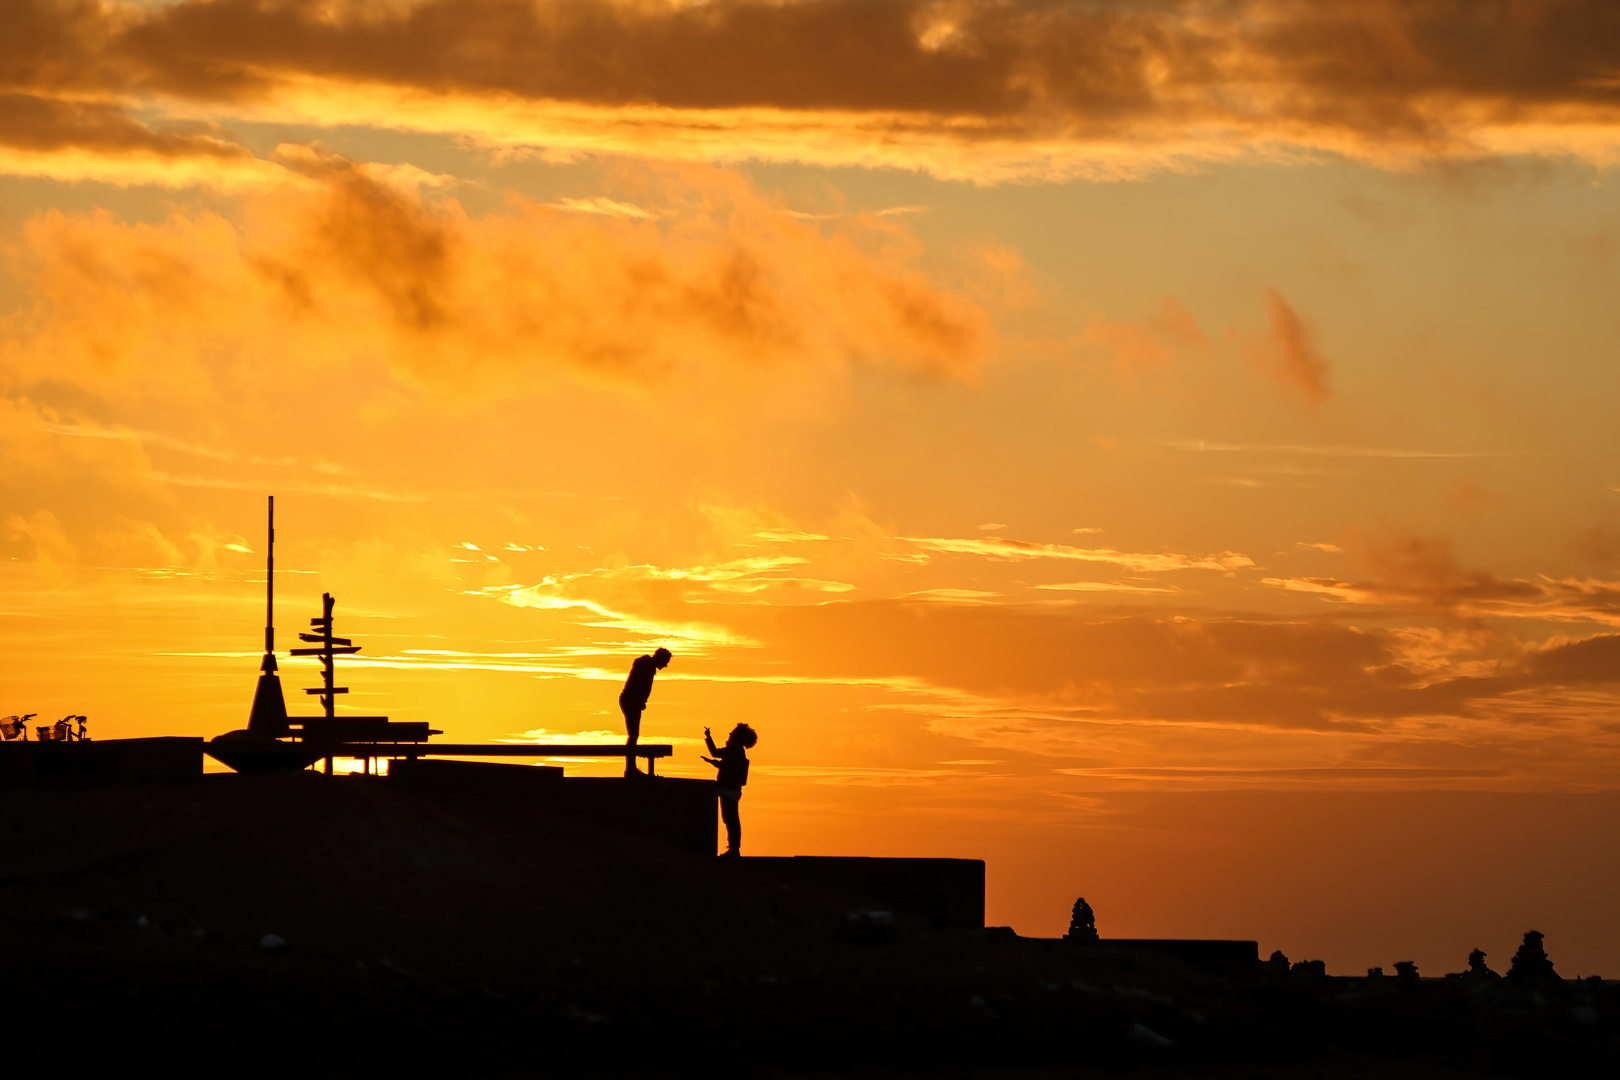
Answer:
(787, 536)
(951, 596)
(424, 663)
(689, 635)
(1477, 595)
(748, 574)
(1203, 775)
(606, 207)
(855, 776)
(167, 442)
(586, 738)
(1102, 586)
(1017, 550)
(338, 491)
(1201, 446)
(1252, 482)
(748, 566)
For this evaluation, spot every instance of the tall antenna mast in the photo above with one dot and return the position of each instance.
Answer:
(269, 715)
(269, 663)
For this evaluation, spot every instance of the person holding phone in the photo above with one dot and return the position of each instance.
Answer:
(732, 761)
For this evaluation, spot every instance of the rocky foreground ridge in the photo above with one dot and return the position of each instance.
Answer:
(298, 924)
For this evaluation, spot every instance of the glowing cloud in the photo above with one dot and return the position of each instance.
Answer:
(345, 263)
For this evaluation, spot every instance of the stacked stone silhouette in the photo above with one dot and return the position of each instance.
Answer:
(1082, 923)
(1478, 970)
(1531, 965)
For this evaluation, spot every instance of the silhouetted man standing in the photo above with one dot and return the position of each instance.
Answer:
(633, 698)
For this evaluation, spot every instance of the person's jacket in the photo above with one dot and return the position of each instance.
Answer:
(733, 767)
(638, 687)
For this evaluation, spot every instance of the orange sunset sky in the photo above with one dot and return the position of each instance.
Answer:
(1164, 448)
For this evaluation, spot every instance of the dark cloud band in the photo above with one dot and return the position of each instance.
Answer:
(1426, 76)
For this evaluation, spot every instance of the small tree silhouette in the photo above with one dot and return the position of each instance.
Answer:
(1082, 923)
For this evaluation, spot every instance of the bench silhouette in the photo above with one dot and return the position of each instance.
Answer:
(413, 750)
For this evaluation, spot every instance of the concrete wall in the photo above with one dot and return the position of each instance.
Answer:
(168, 759)
(684, 815)
(677, 812)
(1226, 957)
(950, 892)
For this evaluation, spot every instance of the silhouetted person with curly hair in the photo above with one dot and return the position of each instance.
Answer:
(732, 761)
(633, 699)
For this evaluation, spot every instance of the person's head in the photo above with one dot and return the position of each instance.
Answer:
(661, 659)
(743, 735)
